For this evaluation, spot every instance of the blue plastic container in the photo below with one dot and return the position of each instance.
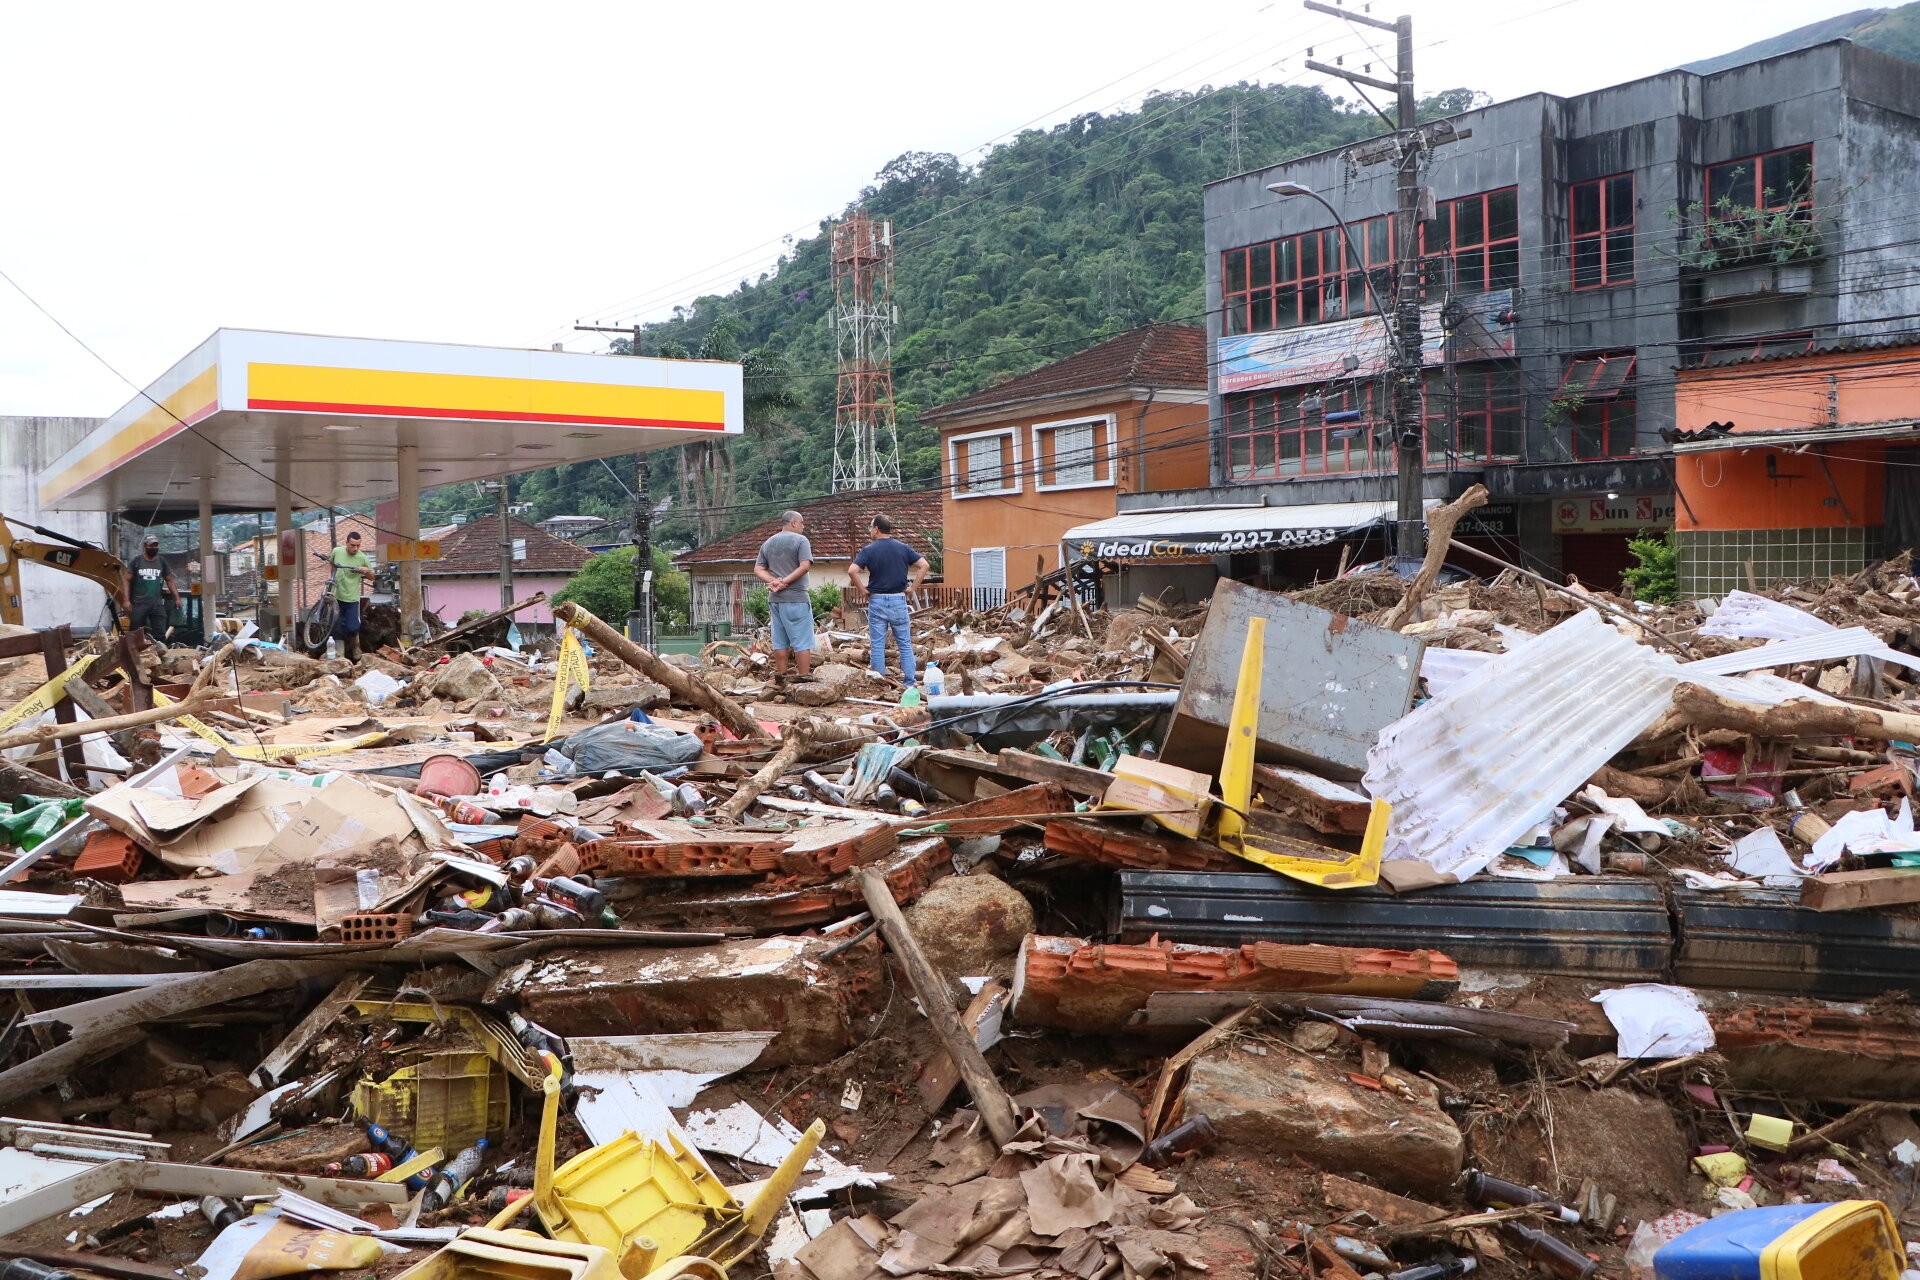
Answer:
(1850, 1240)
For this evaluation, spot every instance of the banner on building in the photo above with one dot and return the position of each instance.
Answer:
(1361, 347)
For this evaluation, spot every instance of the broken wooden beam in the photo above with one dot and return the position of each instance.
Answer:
(1440, 523)
(936, 1001)
(799, 737)
(1078, 779)
(683, 685)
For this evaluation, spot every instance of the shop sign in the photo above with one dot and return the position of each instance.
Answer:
(1597, 513)
(1495, 520)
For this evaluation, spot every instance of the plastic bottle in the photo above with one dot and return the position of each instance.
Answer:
(221, 1212)
(264, 933)
(1497, 1193)
(687, 799)
(453, 1175)
(911, 698)
(1185, 1139)
(389, 1143)
(1444, 1270)
(370, 1165)
(936, 680)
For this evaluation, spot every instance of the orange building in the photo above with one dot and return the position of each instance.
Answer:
(1032, 457)
(1796, 465)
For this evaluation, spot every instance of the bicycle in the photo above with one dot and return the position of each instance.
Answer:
(316, 625)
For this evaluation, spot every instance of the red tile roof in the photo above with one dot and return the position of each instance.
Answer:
(837, 527)
(1160, 355)
(474, 547)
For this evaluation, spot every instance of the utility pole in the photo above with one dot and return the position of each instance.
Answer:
(640, 620)
(1410, 145)
(506, 544)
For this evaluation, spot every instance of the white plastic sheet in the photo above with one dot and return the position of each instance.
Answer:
(1865, 831)
(1653, 1020)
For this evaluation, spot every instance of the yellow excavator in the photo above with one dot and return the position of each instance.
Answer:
(68, 555)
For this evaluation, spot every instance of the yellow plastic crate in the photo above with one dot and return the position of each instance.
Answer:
(448, 1100)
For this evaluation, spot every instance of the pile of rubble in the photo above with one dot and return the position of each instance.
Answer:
(1375, 929)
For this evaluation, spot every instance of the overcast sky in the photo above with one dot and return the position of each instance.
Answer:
(490, 173)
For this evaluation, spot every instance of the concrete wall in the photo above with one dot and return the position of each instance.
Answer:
(451, 597)
(27, 447)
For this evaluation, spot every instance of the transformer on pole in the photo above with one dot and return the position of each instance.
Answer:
(866, 442)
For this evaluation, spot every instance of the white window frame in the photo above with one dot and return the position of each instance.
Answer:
(977, 594)
(1101, 423)
(956, 464)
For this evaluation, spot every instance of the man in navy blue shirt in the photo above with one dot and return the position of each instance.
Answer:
(886, 567)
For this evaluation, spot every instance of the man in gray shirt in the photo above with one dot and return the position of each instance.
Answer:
(782, 564)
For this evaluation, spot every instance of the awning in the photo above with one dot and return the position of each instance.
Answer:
(248, 411)
(1218, 531)
(1906, 429)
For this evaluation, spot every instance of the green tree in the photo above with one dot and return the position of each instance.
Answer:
(1656, 575)
(604, 588)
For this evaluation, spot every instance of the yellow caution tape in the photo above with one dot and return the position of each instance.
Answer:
(571, 668)
(271, 751)
(43, 698)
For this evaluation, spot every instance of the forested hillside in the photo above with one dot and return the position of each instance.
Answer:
(1051, 242)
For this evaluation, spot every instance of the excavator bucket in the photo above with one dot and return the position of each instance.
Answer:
(1250, 834)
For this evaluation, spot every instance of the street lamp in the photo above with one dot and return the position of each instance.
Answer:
(1285, 189)
(1409, 531)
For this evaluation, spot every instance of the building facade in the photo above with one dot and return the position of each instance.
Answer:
(720, 573)
(1581, 253)
(1796, 466)
(1032, 457)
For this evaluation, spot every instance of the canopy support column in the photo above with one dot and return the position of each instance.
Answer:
(210, 578)
(289, 573)
(409, 529)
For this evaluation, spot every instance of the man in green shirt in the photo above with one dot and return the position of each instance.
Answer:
(149, 587)
(351, 567)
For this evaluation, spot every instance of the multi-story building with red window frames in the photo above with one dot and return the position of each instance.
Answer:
(1576, 255)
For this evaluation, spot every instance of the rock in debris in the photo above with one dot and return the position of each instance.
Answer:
(829, 683)
(1293, 1104)
(625, 697)
(461, 680)
(970, 925)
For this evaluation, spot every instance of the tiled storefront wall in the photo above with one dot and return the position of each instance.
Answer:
(1713, 562)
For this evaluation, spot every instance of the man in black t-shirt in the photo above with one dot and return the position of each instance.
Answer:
(886, 567)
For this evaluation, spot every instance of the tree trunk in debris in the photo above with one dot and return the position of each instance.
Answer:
(936, 999)
(1642, 791)
(798, 738)
(1704, 709)
(684, 686)
(16, 781)
(196, 700)
(1440, 523)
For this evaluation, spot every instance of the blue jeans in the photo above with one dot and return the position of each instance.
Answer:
(889, 614)
(348, 621)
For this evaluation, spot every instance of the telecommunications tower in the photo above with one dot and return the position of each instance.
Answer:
(866, 443)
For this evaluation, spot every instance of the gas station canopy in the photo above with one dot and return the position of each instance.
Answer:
(327, 417)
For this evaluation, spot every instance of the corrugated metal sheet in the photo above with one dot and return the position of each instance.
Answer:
(1598, 927)
(1471, 770)
(1766, 941)
(1820, 646)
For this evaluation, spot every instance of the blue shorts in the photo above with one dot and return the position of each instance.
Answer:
(347, 623)
(792, 625)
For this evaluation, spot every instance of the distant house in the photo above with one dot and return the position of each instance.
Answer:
(721, 572)
(466, 577)
(1029, 458)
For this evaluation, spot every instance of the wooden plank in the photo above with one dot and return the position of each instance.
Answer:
(1327, 807)
(1858, 890)
(1078, 779)
(53, 652)
(1393, 1210)
(942, 1075)
(307, 1030)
